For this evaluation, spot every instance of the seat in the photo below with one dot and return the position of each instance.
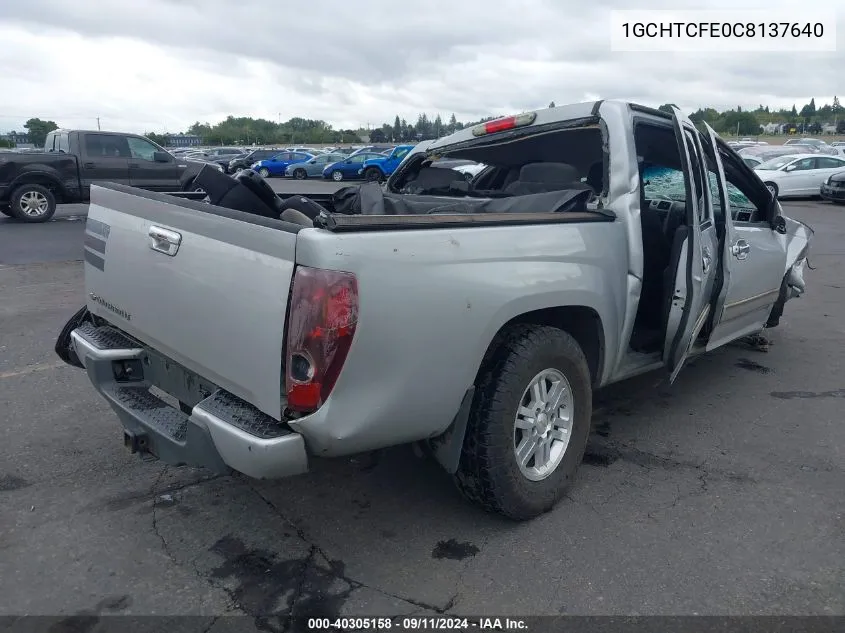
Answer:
(433, 179)
(296, 217)
(545, 177)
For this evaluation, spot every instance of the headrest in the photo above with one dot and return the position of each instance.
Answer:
(548, 172)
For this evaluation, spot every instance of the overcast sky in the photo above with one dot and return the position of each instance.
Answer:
(159, 65)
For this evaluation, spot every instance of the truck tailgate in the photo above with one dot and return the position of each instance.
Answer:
(205, 286)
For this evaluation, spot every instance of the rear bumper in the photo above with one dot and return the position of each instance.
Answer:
(829, 193)
(221, 432)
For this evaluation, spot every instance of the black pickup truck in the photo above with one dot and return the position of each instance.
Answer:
(31, 184)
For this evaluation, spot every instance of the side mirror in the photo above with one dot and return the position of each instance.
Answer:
(161, 157)
(790, 168)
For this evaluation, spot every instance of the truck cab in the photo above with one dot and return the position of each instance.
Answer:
(379, 169)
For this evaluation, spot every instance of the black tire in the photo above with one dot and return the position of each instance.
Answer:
(22, 201)
(300, 174)
(373, 174)
(264, 172)
(773, 188)
(337, 175)
(488, 473)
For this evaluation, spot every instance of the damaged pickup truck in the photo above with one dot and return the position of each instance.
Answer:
(472, 318)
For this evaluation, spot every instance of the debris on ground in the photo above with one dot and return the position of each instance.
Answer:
(757, 342)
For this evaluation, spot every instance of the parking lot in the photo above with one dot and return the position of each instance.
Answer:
(721, 494)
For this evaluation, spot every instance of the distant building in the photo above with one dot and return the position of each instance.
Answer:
(183, 140)
(772, 128)
(18, 139)
(828, 128)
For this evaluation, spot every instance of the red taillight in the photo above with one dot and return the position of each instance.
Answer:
(506, 123)
(323, 316)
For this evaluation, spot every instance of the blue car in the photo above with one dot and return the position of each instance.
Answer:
(349, 168)
(277, 165)
(379, 169)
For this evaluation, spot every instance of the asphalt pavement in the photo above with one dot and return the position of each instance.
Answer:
(721, 494)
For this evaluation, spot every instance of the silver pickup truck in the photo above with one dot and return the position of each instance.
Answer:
(600, 241)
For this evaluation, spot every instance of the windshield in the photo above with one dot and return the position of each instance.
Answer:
(775, 163)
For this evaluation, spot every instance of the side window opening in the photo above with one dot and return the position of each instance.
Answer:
(559, 160)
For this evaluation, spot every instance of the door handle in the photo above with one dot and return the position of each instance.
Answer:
(740, 249)
(134, 165)
(88, 165)
(164, 240)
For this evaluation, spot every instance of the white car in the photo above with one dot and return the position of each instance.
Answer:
(799, 175)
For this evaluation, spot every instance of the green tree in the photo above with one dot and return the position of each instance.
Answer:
(437, 127)
(158, 139)
(794, 111)
(377, 136)
(5, 143)
(453, 124)
(38, 130)
(398, 128)
(809, 110)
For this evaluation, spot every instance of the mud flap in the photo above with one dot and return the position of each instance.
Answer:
(64, 348)
(446, 448)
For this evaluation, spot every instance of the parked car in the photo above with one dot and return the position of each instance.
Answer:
(800, 175)
(817, 144)
(381, 167)
(529, 302)
(373, 149)
(469, 168)
(225, 151)
(240, 163)
(312, 168)
(350, 167)
(277, 165)
(31, 184)
(833, 188)
(306, 150)
(753, 158)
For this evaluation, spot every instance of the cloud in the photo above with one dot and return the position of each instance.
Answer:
(152, 65)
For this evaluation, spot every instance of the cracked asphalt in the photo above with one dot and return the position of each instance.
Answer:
(723, 494)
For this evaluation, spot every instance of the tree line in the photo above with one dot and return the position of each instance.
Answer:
(301, 131)
(809, 119)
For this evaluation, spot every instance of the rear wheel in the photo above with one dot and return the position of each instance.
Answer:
(32, 203)
(265, 173)
(773, 188)
(529, 423)
(300, 174)
(337, 176)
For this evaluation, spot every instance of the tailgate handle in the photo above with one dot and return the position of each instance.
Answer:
(164, 240)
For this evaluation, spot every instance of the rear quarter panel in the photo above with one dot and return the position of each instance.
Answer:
(431, 302)
(61, 169)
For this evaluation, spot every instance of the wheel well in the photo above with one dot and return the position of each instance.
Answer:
(39, 179)
(581, 322)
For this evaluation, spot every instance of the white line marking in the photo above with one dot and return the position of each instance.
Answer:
(32, 369)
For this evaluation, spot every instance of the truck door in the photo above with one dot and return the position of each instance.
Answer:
(695, 256)
(147, 173)
(753, 258)
(105, 158)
